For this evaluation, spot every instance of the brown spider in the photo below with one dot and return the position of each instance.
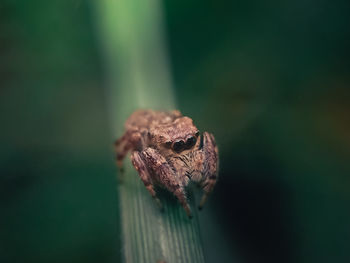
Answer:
(168, 151)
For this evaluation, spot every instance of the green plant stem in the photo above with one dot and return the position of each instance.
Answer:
(138, 77)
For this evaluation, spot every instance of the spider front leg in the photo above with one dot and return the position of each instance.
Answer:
(137, 160)
(164, 175)
(210, 166)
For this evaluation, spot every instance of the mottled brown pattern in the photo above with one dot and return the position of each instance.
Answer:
(167, 150)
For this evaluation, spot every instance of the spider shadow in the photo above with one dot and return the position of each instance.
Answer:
(170, 201)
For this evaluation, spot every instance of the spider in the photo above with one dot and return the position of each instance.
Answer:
(168, 151)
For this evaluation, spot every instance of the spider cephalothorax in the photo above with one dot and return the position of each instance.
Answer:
(168, 150)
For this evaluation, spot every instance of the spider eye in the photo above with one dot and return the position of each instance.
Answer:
(197, 134)
(178, 146)
(168, 144)
(190, 142)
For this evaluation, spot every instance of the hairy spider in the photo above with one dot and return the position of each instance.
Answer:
(168, 151)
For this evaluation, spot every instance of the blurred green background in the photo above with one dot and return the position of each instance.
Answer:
(269, 78)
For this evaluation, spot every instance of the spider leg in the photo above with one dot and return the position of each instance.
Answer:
(140, 166)
(207, 188)
(129, 141)
(210, 166)
(166, 176)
